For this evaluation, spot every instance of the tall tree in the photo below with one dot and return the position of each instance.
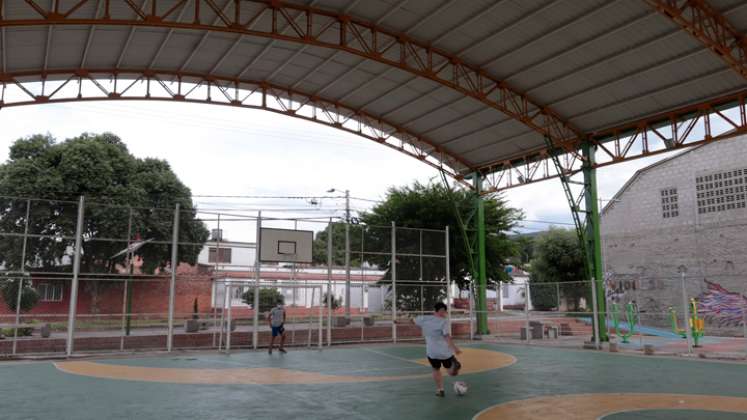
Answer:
(127, 197)
(434, 206)
(558, 258)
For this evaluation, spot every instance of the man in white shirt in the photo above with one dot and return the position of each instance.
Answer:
(439, 347)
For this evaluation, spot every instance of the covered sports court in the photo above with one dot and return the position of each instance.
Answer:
(375, 382)
(494, 94)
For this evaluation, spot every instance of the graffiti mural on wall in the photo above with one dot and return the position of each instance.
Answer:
(720, 306)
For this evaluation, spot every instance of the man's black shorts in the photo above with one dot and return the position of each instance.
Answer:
(446, 363)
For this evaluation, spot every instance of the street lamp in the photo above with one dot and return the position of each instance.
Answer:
(347, 251)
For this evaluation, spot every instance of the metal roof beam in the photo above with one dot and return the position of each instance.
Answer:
(716, 119)
(708, 26)
(331, 30)
(233, 92)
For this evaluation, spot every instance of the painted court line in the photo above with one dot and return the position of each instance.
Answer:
(597, 406)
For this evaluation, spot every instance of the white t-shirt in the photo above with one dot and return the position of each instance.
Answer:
(276, 316)
(435, 330)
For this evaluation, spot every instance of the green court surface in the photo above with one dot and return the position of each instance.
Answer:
(375, 382)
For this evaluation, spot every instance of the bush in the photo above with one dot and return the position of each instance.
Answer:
(335, 303)
(268, 298)
(9, 290)
(22, 332)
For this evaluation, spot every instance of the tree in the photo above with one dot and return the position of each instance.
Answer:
(524, 250)
(268, 298)
(434, 206)
(558, 258)
(29, 296)
(119, 188)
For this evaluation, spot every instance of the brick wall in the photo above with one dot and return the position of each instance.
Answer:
(643, 251)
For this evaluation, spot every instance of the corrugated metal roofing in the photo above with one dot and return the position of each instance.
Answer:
(596, 63)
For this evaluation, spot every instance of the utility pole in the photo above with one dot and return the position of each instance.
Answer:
(347, 254)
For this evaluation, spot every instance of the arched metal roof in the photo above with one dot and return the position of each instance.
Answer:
(463, 85)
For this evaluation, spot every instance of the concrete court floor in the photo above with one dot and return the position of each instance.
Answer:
(374, 382)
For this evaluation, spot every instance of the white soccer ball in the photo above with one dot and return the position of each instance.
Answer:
(460, 388)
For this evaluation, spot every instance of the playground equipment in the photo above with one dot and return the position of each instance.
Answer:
(631, 314)
(696, 324)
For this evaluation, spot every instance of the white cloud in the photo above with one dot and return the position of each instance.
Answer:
(228, 151)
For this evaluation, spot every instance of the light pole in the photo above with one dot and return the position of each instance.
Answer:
(347, 251)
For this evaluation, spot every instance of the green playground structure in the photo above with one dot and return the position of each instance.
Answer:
(696, 324)
(631, 314)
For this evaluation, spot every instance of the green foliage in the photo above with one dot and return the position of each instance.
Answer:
(336, 302)
(9, 291)
(430, 206)
(524, 251)
(100, 167)
(268, 298)
(558, 257)
(22, 332)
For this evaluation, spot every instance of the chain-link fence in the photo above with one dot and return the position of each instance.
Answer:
(86, 276)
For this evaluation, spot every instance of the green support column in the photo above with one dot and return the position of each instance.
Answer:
(594, 238)
(482, 276)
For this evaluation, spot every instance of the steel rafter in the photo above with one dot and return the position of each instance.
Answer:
(710, 27)
(325, 29)
(22, 88)
(708, 121)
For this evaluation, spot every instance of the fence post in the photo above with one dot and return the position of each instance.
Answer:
(330, 294)
(595, 321)
(393, 266)
(172, 282)
(76, 272)
(526, 311)
(257, 274)
(471, 312)
(686, 311)
(448, 280)
(22, 280)
(230, 320)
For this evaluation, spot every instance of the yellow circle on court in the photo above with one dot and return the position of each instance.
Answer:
(473, 361)
(597, 406)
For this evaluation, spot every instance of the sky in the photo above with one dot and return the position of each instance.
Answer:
(224, 151)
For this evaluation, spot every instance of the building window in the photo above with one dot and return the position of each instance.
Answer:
(223, 255)
(670, 206)
(721, 191)
(50, 292)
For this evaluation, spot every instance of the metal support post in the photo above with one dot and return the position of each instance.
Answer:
(172, 282)
(595, 321)
(330, 292)
(76, 273)
(347, 255)
(321, 316)
(471, 301)
(257, 275)
(482, 277)
(686, 312)
(230, 319)
(526, 311)
(126, 287)
(448, 279)
(393, 266)
(22, 279)
(594, 238)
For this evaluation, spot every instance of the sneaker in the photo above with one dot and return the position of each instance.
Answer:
(440, 393)
(283, 351)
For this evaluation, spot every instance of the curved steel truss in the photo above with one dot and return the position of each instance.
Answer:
(705, 122)
(313, 27)
(24, 88)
